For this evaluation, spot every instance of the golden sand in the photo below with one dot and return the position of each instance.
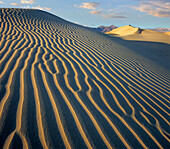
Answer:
(66, 86)
(137, 34)
(167, 33)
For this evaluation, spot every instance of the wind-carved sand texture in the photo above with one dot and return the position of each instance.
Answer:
(66, 86)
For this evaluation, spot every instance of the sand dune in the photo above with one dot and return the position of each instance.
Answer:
(125, 30)
(129, 32)
(167, 33)
(66, 86)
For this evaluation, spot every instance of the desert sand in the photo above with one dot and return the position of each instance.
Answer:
(63, 85)
(129, 32)
(167, 33)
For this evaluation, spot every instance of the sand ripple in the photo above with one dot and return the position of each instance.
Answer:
(66, 86)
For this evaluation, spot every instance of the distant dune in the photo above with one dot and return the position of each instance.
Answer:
(167, 33)
(105, 29)
(125, 30)
(132, 33)
(66, 86)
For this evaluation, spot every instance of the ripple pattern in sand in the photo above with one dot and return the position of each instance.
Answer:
(66, 86)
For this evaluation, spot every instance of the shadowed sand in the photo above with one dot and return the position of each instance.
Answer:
(66, 86)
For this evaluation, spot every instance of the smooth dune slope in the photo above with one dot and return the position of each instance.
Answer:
(167, 33)
(67, 86)
(125, 30)
(129, 32)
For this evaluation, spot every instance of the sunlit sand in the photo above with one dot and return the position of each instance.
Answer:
(167, 33)
(67, 86)
(129, 32)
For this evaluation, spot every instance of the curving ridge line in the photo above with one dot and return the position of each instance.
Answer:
(38, 107)
(87, 61)
(83, 105)
(92, 118)
(52, 99)
(58, 120)
(71, 109)
(142, 127)
(144, 146)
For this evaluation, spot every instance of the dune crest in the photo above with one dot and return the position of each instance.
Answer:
(67, 86)
(129, 32)
(125, 30)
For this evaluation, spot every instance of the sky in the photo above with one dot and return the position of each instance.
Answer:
(93, 13)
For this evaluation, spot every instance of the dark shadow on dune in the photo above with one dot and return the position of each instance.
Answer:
(157, 52)
(16, 142)
(72, 83)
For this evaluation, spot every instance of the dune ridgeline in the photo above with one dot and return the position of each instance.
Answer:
(66, 86)
(129, 32)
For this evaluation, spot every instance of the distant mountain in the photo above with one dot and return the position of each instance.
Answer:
(161, 29)
(105, 29)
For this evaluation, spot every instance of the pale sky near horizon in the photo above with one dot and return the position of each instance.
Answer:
(138, 13)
